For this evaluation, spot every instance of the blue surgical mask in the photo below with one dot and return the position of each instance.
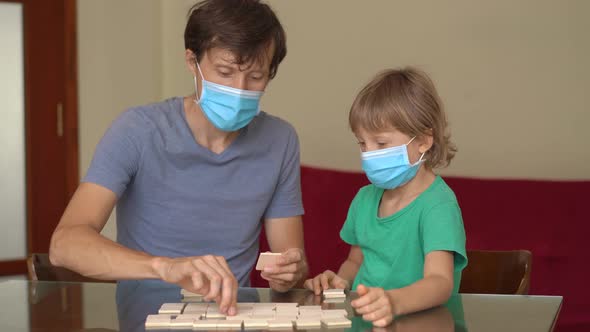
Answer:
(390, 168)
(227, 108)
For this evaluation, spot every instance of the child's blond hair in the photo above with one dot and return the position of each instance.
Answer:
(405, 99)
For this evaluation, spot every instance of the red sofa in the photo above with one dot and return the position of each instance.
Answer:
(548, 218)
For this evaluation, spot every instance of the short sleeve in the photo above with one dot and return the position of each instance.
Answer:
(286, 200)
(117, 155)
(442, 229)
(348, 231)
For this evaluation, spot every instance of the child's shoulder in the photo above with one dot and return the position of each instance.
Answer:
(438, 193)
(366, 195)
(369, 191)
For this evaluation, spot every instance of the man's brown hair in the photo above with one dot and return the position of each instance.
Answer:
(244, 27)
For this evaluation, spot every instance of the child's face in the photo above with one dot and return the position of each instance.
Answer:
(377, 140)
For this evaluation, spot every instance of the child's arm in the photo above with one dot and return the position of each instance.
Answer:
(351, 265)
(343, 279)
(433, 290)
(381, 306)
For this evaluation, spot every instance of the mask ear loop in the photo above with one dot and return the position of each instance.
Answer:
(422, 156)
(197, 94)
(423, 153)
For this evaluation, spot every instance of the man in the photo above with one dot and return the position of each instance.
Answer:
(192, 177)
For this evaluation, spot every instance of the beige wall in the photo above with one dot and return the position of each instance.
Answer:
(119, 52)
(514, 75)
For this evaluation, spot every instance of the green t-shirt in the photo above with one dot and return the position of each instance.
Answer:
(394, 247)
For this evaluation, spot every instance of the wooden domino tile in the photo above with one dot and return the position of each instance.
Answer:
(255, 324)
(195, 310)
(280, 324)
(242, 307)
(188, 294)
(284, 316)
(334, 300)
(310, 308)
(215, 315)
(229, 324)
(302, 324)
(334, 313)
(197, 305)
(263, 317)
(271, 306)
(266, 259)
(331, 293)
(263, 310)
(157, 321)
(206, 324)
(314, 317)
(287, 310)
(336, 322)
(246, 304)
(182, 322)
(171, 308)
(193, 316)
(286, 304)
(239, 317)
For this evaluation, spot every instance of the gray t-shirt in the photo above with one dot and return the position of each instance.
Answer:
(176, 198)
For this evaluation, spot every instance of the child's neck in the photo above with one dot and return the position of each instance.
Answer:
(394, 200)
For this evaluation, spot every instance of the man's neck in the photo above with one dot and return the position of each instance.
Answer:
(204, 132)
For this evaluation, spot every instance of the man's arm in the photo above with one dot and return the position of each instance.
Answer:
(78, 245)
(285, 235)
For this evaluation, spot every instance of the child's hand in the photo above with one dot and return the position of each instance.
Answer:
(324, 281)
(375, 305)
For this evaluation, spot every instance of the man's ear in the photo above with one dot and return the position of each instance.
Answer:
(190, 60)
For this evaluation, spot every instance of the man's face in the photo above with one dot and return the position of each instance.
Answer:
(218, 65)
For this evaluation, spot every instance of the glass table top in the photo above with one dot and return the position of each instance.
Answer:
(65, 306)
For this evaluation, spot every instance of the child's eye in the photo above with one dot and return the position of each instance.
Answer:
(362, 145)
(381, 144)
(224, 74)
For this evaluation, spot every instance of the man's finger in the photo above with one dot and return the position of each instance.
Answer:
(284, 277)
(212, 275)
(290, 256)
(278, 269)
(234, 285)
(226, 283)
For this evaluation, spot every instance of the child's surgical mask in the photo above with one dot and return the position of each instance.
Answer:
(390, 168)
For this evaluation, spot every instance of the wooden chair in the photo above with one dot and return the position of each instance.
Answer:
(497, 272)
(40, 269)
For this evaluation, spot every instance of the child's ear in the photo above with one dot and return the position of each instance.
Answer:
(426, 141)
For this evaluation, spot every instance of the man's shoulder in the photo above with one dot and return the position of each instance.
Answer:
(272, 126)
(145, 118)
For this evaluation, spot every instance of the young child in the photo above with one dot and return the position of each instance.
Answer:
(405, 229)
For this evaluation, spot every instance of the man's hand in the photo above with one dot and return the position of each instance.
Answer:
(290, 268)
(208, 275)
